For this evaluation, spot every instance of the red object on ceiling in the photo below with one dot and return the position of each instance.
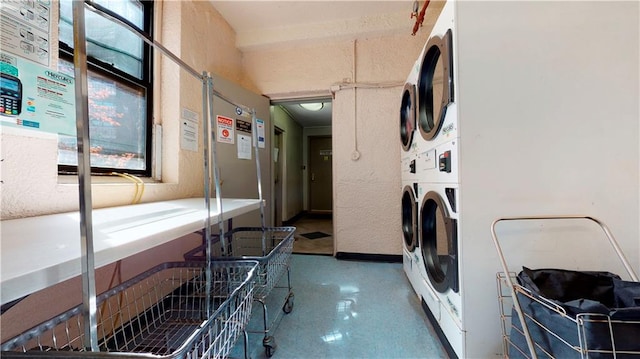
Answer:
(419, 18)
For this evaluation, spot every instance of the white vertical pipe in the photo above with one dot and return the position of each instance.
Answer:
(356, 153)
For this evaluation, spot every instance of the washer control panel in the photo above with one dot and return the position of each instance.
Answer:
(444, 161)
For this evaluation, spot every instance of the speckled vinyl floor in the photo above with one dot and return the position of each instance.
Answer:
(346, 309)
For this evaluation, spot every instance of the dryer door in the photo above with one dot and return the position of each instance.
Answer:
(439, 242)
(409, 218)
(407, 115)
(435, 85)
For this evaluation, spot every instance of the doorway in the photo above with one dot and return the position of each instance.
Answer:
(315, 228)
(320, 175)
(303, 183)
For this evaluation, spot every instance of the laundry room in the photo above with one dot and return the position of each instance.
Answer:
(160, 177)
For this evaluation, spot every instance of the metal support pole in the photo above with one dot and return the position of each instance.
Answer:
(259, 175)
(89, 307)
(207, 190)
(216, 170)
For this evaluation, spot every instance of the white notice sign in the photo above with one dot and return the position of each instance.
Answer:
(244, 147)
(225, 129)
(260, 133)
(189, 130)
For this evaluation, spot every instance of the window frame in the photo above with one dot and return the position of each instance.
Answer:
(145, 84)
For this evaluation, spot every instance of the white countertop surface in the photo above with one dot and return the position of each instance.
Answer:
(38, 252)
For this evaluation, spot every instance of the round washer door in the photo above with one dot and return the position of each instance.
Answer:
(435, 85)
(439, 243)
(409, 219)
(407, 115)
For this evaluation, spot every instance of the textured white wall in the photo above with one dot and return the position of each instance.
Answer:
(367, 191)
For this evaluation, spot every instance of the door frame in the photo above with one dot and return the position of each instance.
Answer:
(280, 205)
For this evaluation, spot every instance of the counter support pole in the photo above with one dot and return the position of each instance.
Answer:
(254, 124)
(207, 186)
(216, 169)
(89, 307)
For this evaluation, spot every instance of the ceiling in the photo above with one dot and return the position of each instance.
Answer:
(268, 22)
(285, 23)
(308, 118)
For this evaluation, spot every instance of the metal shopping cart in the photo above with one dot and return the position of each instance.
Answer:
(537, 325)
(271, 247)
(170, 311)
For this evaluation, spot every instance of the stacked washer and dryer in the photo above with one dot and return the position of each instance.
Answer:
(429, 136)
(495, 120)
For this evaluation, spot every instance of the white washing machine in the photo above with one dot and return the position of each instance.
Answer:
(435, 89)
(428, 114)
(408, 126)
(439, 164)
(435, 168)
(425, 121)
(411, 257)
(439, 270)
(408, 132)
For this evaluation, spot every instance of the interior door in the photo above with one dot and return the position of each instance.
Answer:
(277, 176)
(320, 174)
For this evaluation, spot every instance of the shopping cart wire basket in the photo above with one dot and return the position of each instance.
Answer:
(271, 247)
(161, 313)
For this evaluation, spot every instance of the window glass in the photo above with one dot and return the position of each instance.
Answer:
(119, 88)
(117, 125)
(107, 41)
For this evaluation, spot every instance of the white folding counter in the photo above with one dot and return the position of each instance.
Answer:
(38, 252)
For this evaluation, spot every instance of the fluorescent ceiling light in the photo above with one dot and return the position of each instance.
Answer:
(316, 106)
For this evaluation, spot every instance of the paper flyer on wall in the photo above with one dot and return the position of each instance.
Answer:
(244, 147)
(24, 25)
(35, 97)
(189, 130)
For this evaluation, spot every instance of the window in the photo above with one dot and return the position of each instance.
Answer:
(120, 88)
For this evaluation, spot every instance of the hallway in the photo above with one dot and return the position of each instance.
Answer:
(313, 225)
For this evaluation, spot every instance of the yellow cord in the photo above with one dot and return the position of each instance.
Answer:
(137, 196)
(139, 182)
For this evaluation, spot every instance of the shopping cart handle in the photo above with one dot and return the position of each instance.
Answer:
(605, 229)
(505, 267)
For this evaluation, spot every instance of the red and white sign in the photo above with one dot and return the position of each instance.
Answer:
(225, 129)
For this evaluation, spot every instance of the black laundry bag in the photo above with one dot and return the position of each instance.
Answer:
(602, 295)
